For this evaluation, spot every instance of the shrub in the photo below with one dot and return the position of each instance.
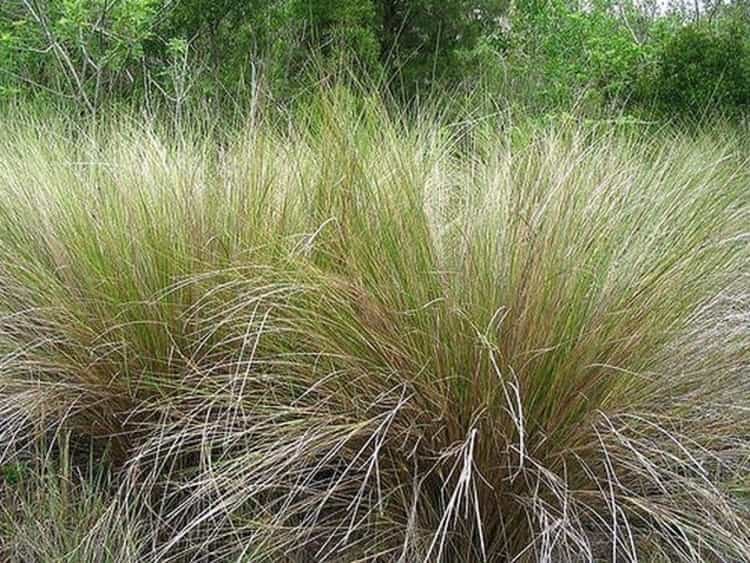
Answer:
(362, 338)
(564, 56)
(704, 67)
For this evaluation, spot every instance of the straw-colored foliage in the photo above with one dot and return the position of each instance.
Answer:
(356, 338)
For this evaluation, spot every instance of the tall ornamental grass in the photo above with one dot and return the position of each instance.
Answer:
(362, 336)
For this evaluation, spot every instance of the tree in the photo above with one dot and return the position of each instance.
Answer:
(81, 49)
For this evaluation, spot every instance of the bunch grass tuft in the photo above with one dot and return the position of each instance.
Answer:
(359, 335)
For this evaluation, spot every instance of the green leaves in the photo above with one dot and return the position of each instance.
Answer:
(704, 66)
(13, 473)
(544, 55)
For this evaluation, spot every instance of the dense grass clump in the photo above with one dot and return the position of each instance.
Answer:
(359, 338)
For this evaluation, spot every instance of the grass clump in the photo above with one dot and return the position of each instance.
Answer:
(66, 511)
(366, 337)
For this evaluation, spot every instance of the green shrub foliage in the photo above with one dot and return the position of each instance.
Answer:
(538, 54)
(704, 66)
